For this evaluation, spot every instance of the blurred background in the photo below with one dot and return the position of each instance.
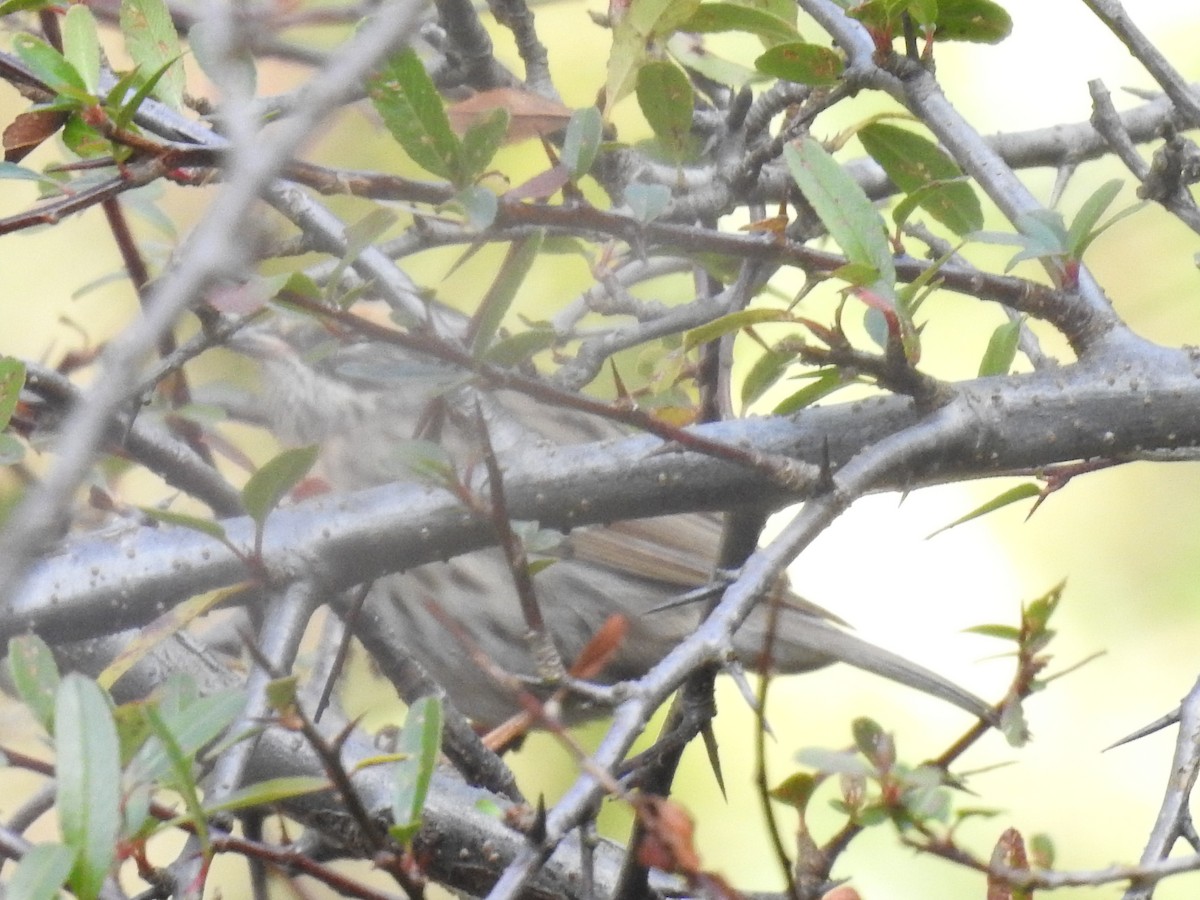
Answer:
(1124, 540)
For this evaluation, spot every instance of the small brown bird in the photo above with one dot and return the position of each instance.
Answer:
(362, 400)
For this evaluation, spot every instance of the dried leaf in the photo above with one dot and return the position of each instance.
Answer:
(529, 115)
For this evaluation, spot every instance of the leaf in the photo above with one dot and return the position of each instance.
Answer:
(411, 108)
(50, 66)
(1001, 349)
(174, 620)
(843, 208)
(978, 21)
(647, 201)
(183, 520)
(796, 790)
(520, 347)
(269, 793)
(717, 17)
(12, 6)
(153, 44)
(1089, 214)
(916, 163)
(270, 484)
(41, 872)
(12, 379)
(1005, 498)
(764, 374)
(529, 114)
(732, 322)
(503, 291)
(24, 134)
(482, 140)
(124, 114)
(582, 141)
(834, 762)
(87, 782)
(421, 739)
(35, 676)
(180, 776)
(645, 23)
(691, 54)
(828, 381)
(802, 62)
(1002, 632)
(665, 96)
(870, 739)
(480, 205)
(1083, 228)
(81, 45)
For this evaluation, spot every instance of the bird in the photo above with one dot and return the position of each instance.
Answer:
(362, 401)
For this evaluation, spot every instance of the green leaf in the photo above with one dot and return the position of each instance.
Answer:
(828, 381)
(11, 171)
(85, 140)
(709, 64)
(914, 163)
(1003, 632)
(12, 6)
(270, 484)
(193, 725)
(420, 739)
(802, 62)
(665, 96)
(12, 379)
(50, 66)
(412, 110)
(843, 208)
(269, 793)
(35, 676)
(482, 140)
(520, 347)
(153, 44)
(717, 17)
(41, 872)
(182, 520)
(796, 790)
(582, 141)
(1089, 214)
(503, 291)
(978, 21)
(869, 737)
(181, 779)
(764, 374)
(1083, 228)
(81, 45)
(733, 322)
(653, 19)
(1001, 349)
(88, 777)
(1005, 498)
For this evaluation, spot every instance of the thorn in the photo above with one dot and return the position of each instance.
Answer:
(1170, 718)
(714, 756)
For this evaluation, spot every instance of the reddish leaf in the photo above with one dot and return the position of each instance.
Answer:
(28, 130)
(599, 651)
(528, 114)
